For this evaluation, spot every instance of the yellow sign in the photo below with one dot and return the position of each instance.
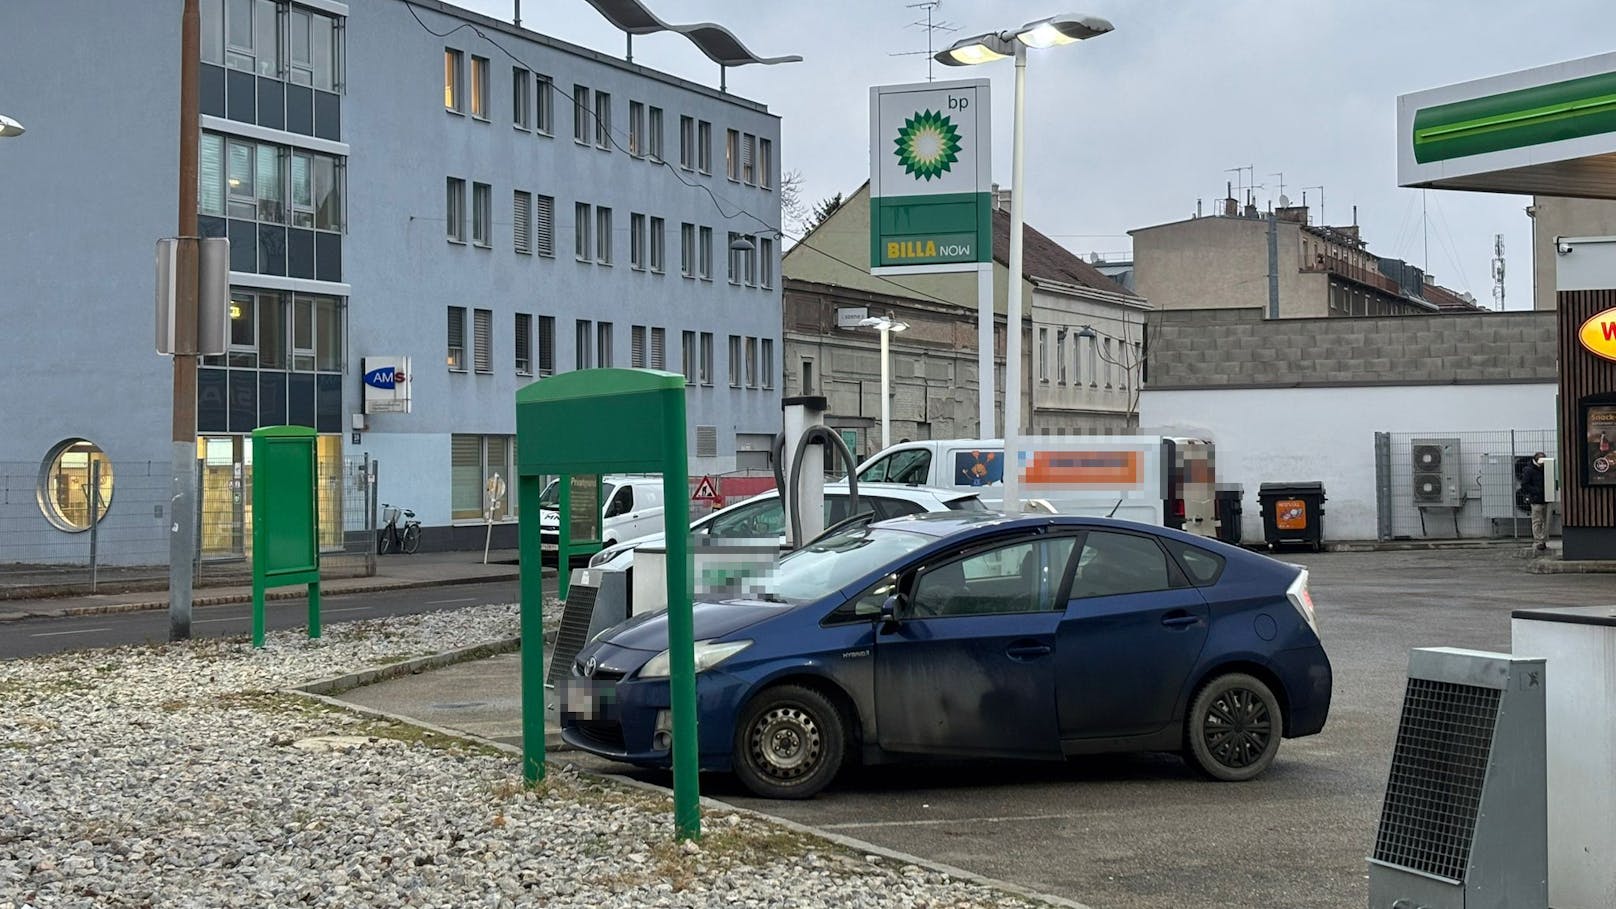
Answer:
(1598, 334)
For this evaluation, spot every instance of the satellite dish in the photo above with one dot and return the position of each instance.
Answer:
(1284, 201)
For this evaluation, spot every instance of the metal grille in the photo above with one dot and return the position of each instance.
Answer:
(1484, 502)
(706, 441)
(1444, 740)
(574, 630)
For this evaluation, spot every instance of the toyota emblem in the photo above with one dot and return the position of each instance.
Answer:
(589, 668)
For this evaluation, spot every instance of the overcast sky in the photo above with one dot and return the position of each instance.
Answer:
(1131, 128)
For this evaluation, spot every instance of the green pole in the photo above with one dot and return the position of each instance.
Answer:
(258, 609)
(563, 535)
(681, 632)
(530, 559)
(314, 610)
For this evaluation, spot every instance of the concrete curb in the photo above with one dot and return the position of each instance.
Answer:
(1560, 566)
(322, 690)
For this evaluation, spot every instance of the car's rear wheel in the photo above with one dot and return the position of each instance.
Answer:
(1233, 729)
(789, 743)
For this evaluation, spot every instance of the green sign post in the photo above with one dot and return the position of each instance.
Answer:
(286, 519)
(588, 423)
(578, 525)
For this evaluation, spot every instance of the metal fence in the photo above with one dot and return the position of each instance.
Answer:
(1454, 485)
(49, 546)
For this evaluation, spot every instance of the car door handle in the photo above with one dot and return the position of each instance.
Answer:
(1179, 619)
(1027, 650)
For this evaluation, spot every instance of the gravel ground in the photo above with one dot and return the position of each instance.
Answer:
(182, 775)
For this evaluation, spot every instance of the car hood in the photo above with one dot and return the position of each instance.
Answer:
(711, 620)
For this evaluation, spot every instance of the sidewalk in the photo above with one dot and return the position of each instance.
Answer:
(393, 572)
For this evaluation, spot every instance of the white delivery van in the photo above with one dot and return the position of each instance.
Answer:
(1164, 480)
(632, 507)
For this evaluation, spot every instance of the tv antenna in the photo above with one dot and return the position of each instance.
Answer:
(1320, 188)
(932, 28)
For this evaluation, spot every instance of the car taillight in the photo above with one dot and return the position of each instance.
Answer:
(1302, 599)
(1178, 508)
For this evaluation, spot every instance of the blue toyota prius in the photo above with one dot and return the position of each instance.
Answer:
(973, 634)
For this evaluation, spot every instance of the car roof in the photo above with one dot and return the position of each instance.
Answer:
(909, 491)
(944, 523)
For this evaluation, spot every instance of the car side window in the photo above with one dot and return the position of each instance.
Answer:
(754, 521)
(1019, 577)
(877, 472)
(1203, 567)
(1117, 563)
(622, 503)
(912, 467)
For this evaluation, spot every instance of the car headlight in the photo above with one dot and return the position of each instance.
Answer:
(708, 655)
(602, 557)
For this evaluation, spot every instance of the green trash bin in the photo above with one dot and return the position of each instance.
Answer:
(1293, 514)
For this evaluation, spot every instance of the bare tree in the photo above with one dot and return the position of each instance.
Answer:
(792, 210)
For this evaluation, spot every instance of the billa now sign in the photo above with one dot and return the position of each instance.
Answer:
(1598, 334)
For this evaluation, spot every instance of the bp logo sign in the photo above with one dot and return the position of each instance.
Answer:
(928, 144)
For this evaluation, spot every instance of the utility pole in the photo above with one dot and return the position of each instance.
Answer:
(182, 493)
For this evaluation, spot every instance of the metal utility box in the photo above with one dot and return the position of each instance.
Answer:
(1436, 473)
(1579, 644)
(596, 600)
(1463, 822)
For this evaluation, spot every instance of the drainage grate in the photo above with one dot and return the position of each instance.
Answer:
(574, 631)
(1444, 740)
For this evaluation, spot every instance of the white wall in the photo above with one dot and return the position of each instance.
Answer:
(1269, 435)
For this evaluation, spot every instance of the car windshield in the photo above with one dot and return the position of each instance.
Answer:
(834, 562)
(551, 496)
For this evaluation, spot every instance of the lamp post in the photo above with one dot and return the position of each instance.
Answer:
(1064, 29)
(10, 127)
(886, 325)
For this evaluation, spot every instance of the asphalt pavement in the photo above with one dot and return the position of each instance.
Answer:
(1141, 830)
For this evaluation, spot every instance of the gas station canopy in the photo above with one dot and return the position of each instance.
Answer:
(1546, 131)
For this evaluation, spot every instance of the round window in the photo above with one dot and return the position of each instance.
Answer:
(75, 478)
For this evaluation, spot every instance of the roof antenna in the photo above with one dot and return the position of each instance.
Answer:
(932, 28)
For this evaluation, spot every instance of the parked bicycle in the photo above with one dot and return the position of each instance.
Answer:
(391, 538)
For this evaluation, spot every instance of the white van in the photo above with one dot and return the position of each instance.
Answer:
(632, 507)
(1161, 480)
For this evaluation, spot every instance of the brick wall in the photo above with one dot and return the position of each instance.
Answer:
(1237, 348)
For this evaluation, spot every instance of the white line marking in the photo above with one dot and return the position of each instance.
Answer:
(950, 820)
(325, 611)
(459, 600)
(52, 634)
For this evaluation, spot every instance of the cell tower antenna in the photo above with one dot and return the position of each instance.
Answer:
(1498, 271)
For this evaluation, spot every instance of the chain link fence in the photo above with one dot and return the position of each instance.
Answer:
(49, 545)
(1455, 485)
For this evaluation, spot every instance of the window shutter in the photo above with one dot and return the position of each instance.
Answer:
(465, 483)
(523, 204)
(636, 347)
(546, 226)
(546, 345)
(524, 343)
(659, 355)
(482, 338)
(749, 158)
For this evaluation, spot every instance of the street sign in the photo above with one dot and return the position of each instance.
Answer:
(931, 204)
(212, 302)
(851, 316)
(706, 491)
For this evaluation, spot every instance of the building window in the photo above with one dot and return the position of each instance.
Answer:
(603, 235)
(242, 35)
(524, 344)
(544, 94)
(734, 361)
(546, 345)
(522, 222)
(580, 222)
(1060, 355)
(454, 81)
(704, 146)
(473, 462)
(636, 347)
(455, 211)
(482, 339)
(749, 159)
(603, 121)
(734, 258)
(732, 155)
(1094, 362)
(749, 257)
(766, 262)
(687, 250)
(765, 163)
(689, 355)
(316, 49)
(479, 87)
(482, 217)
(706, 253)
(75, 481)
(1105, 354)
(457, 339)
(636, 129)
(1043, 355)
(636, 241)
(659, 349)
(544, 225)
(584, 350)
(707, 358)
(521, 100)
(603, 345)
(272, 184)
(766, 361)
(659, 242)
(653, 134)
(687, 143)
(751, 362)
(580, 115)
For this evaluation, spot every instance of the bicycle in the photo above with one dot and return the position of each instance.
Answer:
(390, 538)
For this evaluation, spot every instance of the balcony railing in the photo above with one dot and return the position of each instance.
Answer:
(1354, 273)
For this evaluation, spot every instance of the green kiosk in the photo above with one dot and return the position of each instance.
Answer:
(581, 425)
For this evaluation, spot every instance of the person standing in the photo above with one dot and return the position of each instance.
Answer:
(1532, 487)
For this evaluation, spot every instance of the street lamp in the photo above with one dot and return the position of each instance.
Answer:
(1126, 360)
(886, 325)
(10, 127)
(1064, 29)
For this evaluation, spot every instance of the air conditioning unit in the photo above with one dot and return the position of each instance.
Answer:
(1464, 822)
(1436, 473)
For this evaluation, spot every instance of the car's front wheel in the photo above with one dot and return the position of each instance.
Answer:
(1233, 729)
(789, 743)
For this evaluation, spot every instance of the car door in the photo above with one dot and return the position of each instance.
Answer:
(970, 667)
(1133, 631)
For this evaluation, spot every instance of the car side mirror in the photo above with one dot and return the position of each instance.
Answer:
(889, 614)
